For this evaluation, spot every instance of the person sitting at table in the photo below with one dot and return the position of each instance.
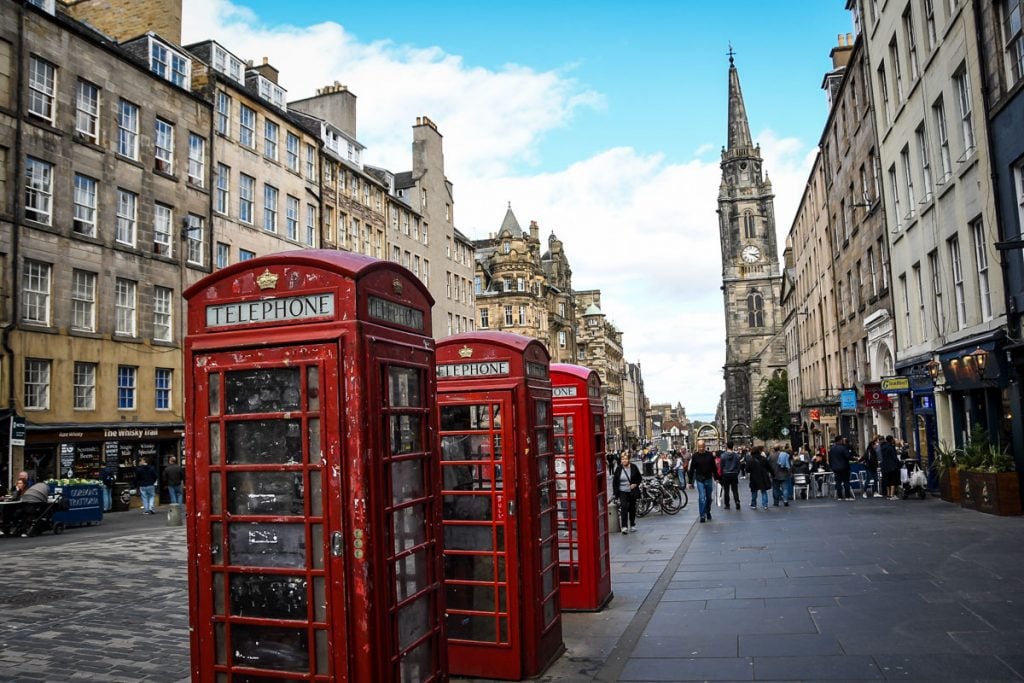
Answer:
(20, 487)
(33, 500)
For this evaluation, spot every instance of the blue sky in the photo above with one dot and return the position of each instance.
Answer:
(601, 121)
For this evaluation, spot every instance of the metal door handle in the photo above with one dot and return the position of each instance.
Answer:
(337, 544)
(511, 508)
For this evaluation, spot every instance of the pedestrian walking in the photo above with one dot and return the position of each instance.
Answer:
(703, 472)
(890, 467)
(782, 478)
(173, 477)
(759, 477)
(108, 476)
(870, 462)
(145, 480)
(839, 457)
(625, 481)
(730, 464)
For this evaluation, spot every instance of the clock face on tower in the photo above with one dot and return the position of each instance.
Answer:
(751, 253)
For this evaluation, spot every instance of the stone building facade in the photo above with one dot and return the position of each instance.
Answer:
(1001, 49)
(751, 278)
(634, 406)
(938, 202)
(599, 346)
(521, 290)
(859, 248)
(107, 152)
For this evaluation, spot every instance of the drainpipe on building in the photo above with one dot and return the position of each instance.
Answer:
(19, 178)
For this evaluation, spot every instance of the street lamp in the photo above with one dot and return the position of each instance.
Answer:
(980, 357)
(934, 368)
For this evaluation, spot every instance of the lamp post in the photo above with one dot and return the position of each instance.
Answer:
(980, 357)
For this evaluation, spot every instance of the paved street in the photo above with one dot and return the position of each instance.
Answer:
(907, 590)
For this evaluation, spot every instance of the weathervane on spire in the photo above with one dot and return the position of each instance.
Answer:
(730, 53)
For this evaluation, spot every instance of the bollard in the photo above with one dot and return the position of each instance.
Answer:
(175, 514)
(614, 526)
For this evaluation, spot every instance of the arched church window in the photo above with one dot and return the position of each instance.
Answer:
(749, 225)
(755, 309)
(506, 247)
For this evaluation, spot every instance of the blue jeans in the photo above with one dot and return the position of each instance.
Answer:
(764, 499)
(174, 493)
(148, 493)
(108, 501)
(782, 489)
(705, 492)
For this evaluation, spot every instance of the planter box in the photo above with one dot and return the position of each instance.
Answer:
(949, 485)
(992, 493)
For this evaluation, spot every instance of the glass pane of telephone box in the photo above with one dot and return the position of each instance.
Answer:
(463, 418)
(476, 477)
(407, 480)
(465, 447)
(459, 567)
(265, 493)
(269, 596)
(404, 387)
(409, 527)
(406, 434)
(272, 390)
(267, 544)
(264, 442)
(411, 574)
(270, 647)
(414, 621)
(417, 665)
(467, 507)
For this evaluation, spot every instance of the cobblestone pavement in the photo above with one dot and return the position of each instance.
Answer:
(821, 590)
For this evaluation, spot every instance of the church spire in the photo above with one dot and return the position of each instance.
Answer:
(739, 129)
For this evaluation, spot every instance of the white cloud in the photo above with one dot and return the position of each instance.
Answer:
(641, 228)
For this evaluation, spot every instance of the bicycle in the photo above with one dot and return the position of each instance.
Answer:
(659, 491)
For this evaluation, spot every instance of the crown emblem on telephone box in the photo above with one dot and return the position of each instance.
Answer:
(267, 280)
(466, 352)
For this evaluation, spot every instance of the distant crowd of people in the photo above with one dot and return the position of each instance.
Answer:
(764, 468)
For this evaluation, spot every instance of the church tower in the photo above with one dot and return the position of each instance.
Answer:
(751, 279)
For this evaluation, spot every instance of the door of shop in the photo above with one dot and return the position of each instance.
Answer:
(481, 527)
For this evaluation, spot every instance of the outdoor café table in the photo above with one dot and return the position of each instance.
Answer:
(823, 482)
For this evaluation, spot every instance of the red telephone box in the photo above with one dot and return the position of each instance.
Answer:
(500, 554)
(313, 514)
(581, 488)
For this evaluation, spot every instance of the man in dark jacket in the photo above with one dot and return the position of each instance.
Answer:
(730, 475)
(870, 461)
(839, 460)
(704, 473)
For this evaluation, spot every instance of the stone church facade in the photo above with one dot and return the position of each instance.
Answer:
(751, 277)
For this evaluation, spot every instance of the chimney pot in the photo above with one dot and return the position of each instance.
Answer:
(266, 61)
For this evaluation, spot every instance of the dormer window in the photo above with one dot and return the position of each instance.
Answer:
(169, 64)
(45, 5)
(272, 92)
(228, 64)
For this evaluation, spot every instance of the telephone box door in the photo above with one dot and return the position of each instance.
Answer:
(481, 533)
(263, 507)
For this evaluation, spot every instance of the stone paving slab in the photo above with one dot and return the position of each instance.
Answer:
(816, 591)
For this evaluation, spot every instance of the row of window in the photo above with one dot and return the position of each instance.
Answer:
(919, 330)
(38, 302)
(298, 157)
(271, 206)
(910, 175)
(42, 103)
(37, 395)
(39, 207)
(867, 280)
(419, 267)
(459, 323)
